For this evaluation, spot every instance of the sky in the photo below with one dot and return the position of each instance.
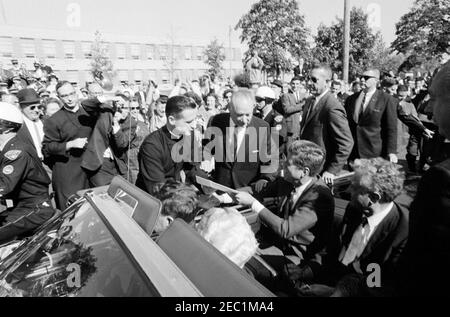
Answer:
(196, 19)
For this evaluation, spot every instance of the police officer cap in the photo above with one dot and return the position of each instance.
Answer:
(10, 113)
(265, 92)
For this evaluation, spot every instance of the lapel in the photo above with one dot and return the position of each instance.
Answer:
(307, 189)
(309, 104)
(371, 105)
(383, 230)
(316, 109)
(26, 135)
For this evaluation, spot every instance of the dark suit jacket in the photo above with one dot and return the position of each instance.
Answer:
(253, 160)
(375, 134)
(292, 112)
(327, 126)
(280, 126)
(385, 248)
(62, 127)
(308, 222)
(25, 135)
(427, 258)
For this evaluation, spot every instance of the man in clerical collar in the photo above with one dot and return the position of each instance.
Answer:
(156, 161)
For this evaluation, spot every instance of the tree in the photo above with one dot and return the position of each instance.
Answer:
(214, 58)
(363, 43)
(424, 32)
(276, 29)
(382, 58)
(101, 65)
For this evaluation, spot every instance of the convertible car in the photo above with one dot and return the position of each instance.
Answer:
(102, 246)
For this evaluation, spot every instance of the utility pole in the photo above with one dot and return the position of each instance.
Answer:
(2, 8)
(346, 40)
(231, 50)
(172, 54)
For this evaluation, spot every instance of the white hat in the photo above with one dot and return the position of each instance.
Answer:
(265, 92)
(10, 113)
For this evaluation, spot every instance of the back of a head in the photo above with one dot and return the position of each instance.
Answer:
(179, 200)
(11, 118)
(228, 231)
(440, 91)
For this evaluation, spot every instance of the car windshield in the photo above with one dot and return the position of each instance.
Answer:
(75, 255)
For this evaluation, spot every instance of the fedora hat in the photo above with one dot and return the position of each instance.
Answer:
(28, 97)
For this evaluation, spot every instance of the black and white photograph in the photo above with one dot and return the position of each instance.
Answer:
(242, 150)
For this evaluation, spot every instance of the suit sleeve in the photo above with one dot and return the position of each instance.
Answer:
(290, 108)
(339, 132)
(414, 125)
(389, 125)
(93, 106)
(304, 217)
(151, 164)
(52, 143)
(269, 155)
(123, 139)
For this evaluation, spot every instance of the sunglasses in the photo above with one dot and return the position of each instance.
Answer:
(366, 78)
(259, 99)
(36, 107)
(313, 79)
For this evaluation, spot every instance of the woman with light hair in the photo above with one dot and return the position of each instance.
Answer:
(228, 231)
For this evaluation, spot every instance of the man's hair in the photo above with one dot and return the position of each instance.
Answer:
(161, 100)
(379, 176)
(229, 232)
(307, 154)
(325, 68)
(242, 94)
(178, 200)
(61, 84)
(178, 104)
(226, 92)
(297, 78)
(402, 88)
(388, 82)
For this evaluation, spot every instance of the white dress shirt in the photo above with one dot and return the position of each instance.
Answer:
(369, 96)
(36, 130)
(299, 191)
(240, 135)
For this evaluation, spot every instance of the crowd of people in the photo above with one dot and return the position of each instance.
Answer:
(288, 142)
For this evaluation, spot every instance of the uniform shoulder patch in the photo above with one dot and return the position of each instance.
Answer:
(8, 170)
(13, 154)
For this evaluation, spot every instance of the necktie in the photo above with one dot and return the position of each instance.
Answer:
(311, 108)
(359, 107)
(357, 244)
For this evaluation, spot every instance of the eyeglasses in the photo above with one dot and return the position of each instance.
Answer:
(366, 78)
(131, 108)
(259, 99)
(36, 107)
(68, 95)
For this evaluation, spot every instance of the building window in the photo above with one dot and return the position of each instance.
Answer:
(188, 53)
(6, 47)
(49, 48)
(135, 51)
(199, 53)
(29, 48)
(121, 50)
(163, 52)
(86, 48)
(69, 49)
(165, 77)
(150, 51)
